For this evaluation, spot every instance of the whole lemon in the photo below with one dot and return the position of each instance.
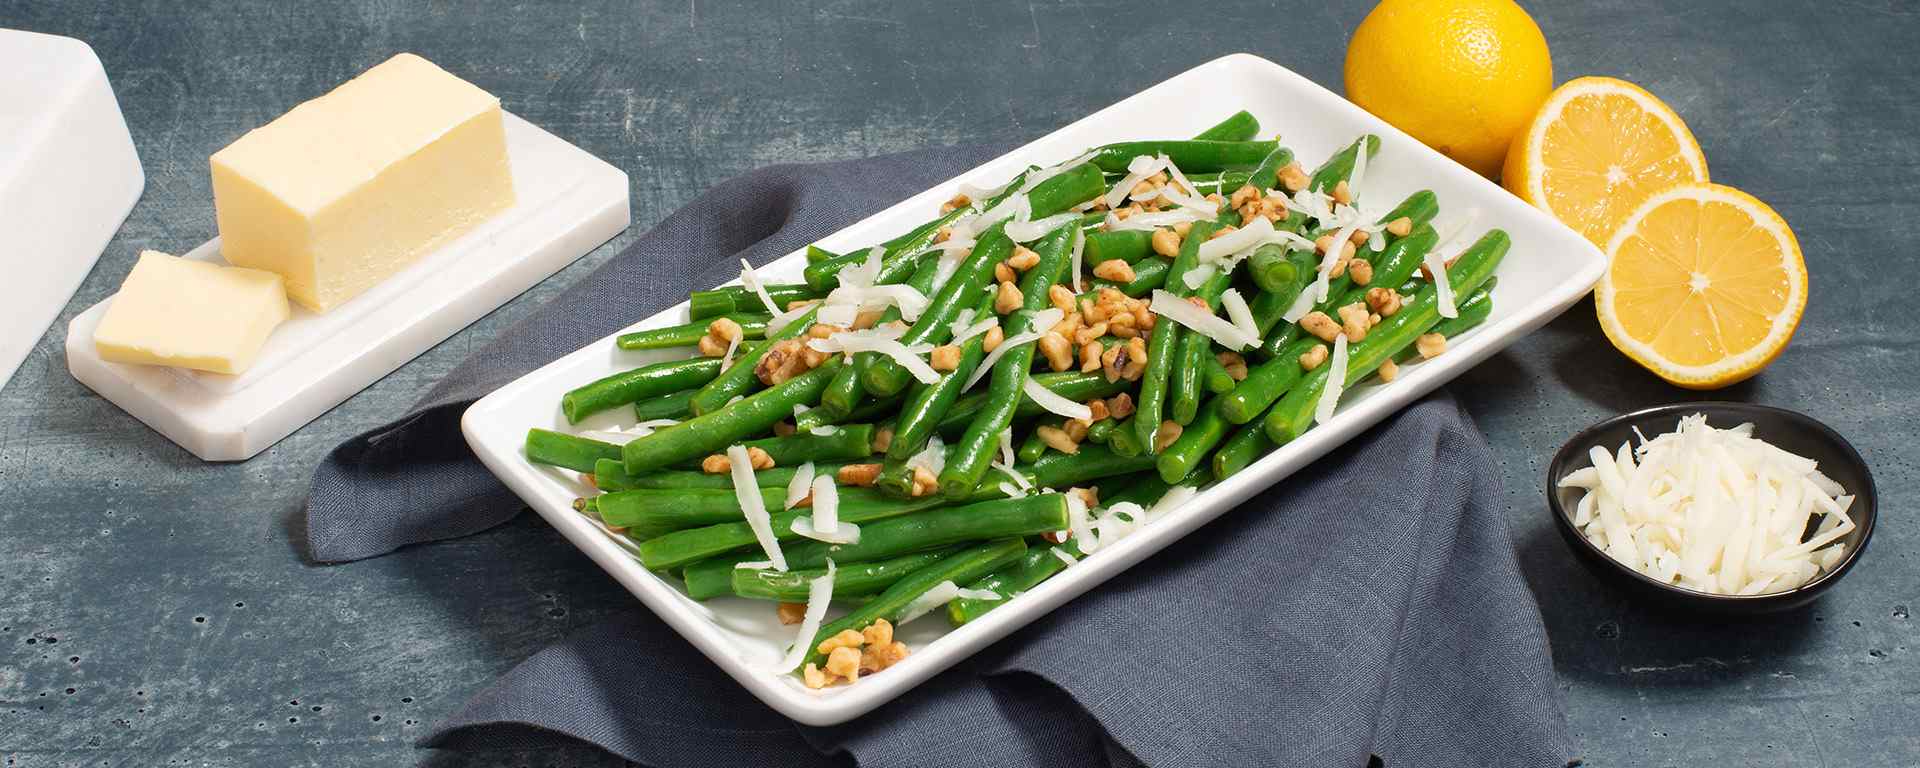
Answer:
(1463, 76)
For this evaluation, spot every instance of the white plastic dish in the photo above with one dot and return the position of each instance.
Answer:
(569, 202)
(1548, 269)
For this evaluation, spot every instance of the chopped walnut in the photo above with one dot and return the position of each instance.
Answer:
(1168, 432)
(883, 438)
(867, 319)
(876, 657)
(1389, 371)
(1091, 312)
(1359, 237)
(1354, 321)
(792, 613)
(1057, 439)
(1023, 258)
(1241, 196)
(992, 338)
(1090, 333)
(1222, 232)
(1008, 298)
(784, 360)
(955, 203)
(822, 330)
(1312, 358)
(1057, 350)
(1061, 298)
(861, 475)
(1320, 325)
(846, 638)
(1121, 325)
(1090, 356)
(924, 482)
(1184, 227)
(711, 347)
(880, 632)
(726, 330)
(1430, 345)
(1361, 270)
(1067, 327)
(845, 663)
(1235, 364)
(1293, 178)
(759, 459)
(1076, 429)
(945, 234)
(1120, 406)
(1400, 227)
(1342, 194)
(1091, 496)
(814, 678)
(1115, 270)
(1165, 242)
(1383, 301)
(1003, 273)
(945, 357)
(1097, 409)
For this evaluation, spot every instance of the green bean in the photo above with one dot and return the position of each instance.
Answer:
(677, 405)
(1163, 346)
(1400, 259)
(1036, 565)
(731, 423)
(847, 442)
(927, 403)
(1270, 307)
(559, 449)
(733, 299)
(936, 528)
(1218, 380)
(1101, 430)
(1340, 166)
(1240, 126)
(1125, 440)
(1267, 175)
(1092, 462)
(1148, 273)
(741, 378)
(847, 390)
(871, 410)
(850, 580)
(1128, 245)
(967, 460)
(1246, 446)
(1190, 156)
(611, 475)
(686, 335)
(1032, 447)
(893, 604)
(1265, 383)
(1294, 413)
(817, 254)
(1191, 356)
(682, 547)
(1072, 385)
(897, 260)
(1195, 441)
(650, 512)
(636, 385)
(1063, 191)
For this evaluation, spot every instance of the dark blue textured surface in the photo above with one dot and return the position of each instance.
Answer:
(168, 594)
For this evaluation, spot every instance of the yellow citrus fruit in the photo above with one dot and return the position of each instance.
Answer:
(1598, 149)
(1705, 287)
(1463, 76)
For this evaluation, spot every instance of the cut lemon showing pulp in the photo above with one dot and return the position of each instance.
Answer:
(1597, 149)
(1705, 286)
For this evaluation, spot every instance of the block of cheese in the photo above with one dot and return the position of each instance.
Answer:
(349, 188)
(191, 314)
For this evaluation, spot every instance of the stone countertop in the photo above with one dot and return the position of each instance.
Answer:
(159, 609)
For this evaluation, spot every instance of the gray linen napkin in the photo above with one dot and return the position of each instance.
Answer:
(1369, 606)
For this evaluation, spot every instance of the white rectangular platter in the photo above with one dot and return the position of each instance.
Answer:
(1548, 269)
(568, 203)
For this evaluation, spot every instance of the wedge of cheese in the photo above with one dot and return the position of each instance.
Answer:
(191, 314)
(349, 188)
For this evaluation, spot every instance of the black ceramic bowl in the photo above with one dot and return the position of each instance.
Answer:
(1790, 431)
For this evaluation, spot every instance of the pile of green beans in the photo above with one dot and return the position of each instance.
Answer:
(994, 516)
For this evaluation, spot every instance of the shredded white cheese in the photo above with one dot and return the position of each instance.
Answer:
(1006, 446)
(1064, 556)
(819, 596)
(1080, 525)
(1076, 256)
(1239, 312)
(751, 280)
(752, 506)
(798, 487)
(1336, 381)
(1043, 321)
(886, 341)
(939, 595)
(1205, 323)
(1713, 510)
(1029, 231)
(1173, 499)
(1053, 402)
(1442, 283)
(978, 594)
(933, 457)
